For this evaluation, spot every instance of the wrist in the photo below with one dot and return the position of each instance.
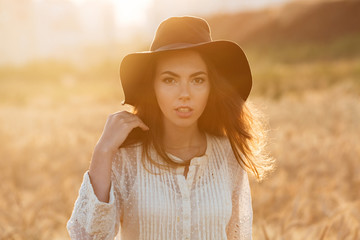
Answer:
(104, 150)
(101, 160)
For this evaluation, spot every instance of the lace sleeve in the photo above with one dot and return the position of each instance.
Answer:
(240, 224)
(91, 218)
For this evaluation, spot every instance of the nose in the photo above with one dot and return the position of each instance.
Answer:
(184, 91)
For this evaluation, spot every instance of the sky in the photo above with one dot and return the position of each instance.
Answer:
(134, 12)
(128, 11)
(58, 28)
(144, 16)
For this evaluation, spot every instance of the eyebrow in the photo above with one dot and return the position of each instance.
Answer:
(176, 75)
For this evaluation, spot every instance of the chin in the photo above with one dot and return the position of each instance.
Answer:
(184, 123)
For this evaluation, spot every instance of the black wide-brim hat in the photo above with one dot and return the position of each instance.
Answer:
(187, 32)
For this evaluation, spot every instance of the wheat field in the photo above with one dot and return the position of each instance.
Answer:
(49, 125)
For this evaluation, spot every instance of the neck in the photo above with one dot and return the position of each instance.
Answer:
(180, 137)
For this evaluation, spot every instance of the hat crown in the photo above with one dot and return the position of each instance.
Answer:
(180, 30)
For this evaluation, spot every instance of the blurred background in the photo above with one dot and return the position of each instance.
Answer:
(59, 64)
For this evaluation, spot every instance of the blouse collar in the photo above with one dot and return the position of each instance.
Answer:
(200, 160)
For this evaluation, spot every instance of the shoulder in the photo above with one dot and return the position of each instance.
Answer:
(130, 150)
(223, 142)
(124, 168)
(222, 145)
(220, 142)
(127, 156)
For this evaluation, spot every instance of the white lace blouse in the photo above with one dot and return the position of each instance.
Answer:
(212, 202)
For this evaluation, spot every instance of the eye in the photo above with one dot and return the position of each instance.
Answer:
(198, 80)
(169, 80)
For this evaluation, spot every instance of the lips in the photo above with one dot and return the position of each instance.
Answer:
(184, 111)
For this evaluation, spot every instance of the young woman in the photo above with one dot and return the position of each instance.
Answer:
(176, 167)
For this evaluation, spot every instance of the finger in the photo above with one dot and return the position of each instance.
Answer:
(122, 111)
(121, 114)
(122, 117)
(127, 118)
(139, 123)
(142, 125)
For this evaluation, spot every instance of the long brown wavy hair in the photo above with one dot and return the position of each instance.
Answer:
(226, 114)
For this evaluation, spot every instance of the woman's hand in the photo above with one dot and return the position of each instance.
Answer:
(117, 128)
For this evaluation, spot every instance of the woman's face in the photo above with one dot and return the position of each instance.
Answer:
(181, 87)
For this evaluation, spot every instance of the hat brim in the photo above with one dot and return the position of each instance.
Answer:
(229, 59)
